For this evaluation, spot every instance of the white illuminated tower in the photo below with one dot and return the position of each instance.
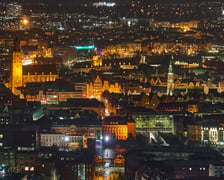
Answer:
(170, 79)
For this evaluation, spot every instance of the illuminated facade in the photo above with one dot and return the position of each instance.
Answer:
(212, 135)
(122, 50)
(119, 128)
(97, 61)
(207, 134)
(170, 80)
(62, 140)
(187, 84)
(92, 131)
(39, 73)
(149, 124)
(20, 75)
(16, 79)
(184, 26)
(96, 88)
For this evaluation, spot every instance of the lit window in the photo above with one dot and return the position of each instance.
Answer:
(1, 136)
(26, 168)
(31, 168)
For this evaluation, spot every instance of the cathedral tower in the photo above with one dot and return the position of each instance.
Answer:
(16, 78)
(170, 79)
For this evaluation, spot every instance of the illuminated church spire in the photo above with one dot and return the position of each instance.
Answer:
(170, 79)
(16, 67)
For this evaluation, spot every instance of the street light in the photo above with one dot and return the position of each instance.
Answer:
(25, 21)
(107, 138)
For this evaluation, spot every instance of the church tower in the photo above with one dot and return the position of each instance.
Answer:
(16, 78)
(170, 79)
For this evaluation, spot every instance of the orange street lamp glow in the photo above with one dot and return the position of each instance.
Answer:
(25, 21)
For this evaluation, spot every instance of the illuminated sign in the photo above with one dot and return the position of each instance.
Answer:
(84, 47)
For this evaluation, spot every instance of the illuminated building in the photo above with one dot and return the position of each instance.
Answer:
(53, 97)
(86, 123)
(96, 88)
(184, 26)
(14, 9)
(39, 73)
(150, 123)
(118, 127)
(62, 140)
(80, 89)
(97, 61)
(90, 131)
(219, 86)
(187, 84)
(85, 51)
(170, 80)
(26, 161)
(158, 81)
(121, 50)
(212, 134)
(16, 78)
(207, 131)
(20, 75)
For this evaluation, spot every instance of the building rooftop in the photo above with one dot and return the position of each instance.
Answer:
(40, 69)
(118, 120)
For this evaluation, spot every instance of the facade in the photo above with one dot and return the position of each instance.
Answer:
(16, 78)
(118, 127)
(39, 73)
(216, 170)
(97, 87)
(51, 97)
(212, 134)
(89, 131)
(149, 124)
(26, 161)
(62, 140)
